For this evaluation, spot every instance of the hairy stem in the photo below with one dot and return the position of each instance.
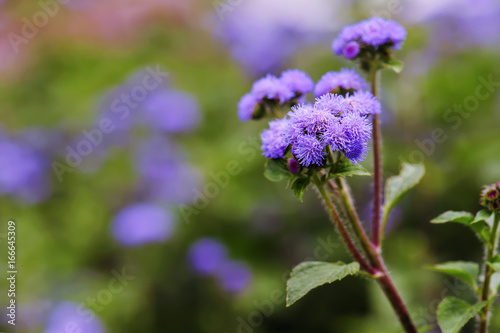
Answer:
(377, 163)
(342, 229)
(488, 272)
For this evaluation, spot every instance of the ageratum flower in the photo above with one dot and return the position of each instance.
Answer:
(207, 255)
(69, 315)
(142, 223)
(234, 277)
(364, 103)
(375, 34)
(490, 197)
(273, 140)
(347, 80)
(333, 121)
(269, 90)
(298, 82)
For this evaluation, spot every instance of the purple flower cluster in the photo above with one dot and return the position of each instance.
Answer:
(335, 120)
(293, 84)
(142, 223)
(369, 34)
(68, 316)
(347, 80)
(208, 257)
(24, 170)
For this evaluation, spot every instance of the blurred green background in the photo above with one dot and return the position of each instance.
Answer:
(66, 250)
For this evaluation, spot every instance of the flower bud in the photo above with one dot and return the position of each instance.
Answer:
(490, 197)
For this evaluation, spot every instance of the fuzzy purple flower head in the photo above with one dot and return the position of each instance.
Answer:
(272, 88)
(370, 35)
(298, 82)
(273, 140)
(347, 80)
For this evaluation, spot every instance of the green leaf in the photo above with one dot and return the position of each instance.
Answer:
(465, 271)
(309, 275)
(426, 328)
(465, 218)
(484, 216)
(398, 186)
(495, 284)
(300, 186)
(453, 216)
(494, 263)
(344, 168)
(277, 170)
(453, 314)
(395, 65)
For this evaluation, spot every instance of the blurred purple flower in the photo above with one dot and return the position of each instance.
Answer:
(273, 140)
(165, 176)
(172, 111)
(23, 172)
(67, 317)
(142, 223)
(263, 35)
(207, 255)
(234, 277)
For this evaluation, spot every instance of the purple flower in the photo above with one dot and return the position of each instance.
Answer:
(142, 223)
(23, 172)
(207, 255)
(273, 140)
(171, 111)
(165, 176)
(346, 79)
(351, 50)
(247, 107)
(364, 103)
(67, 317)
(272, 88)
(234, 277)
(293, 165)
(334, 103)
(297, 81)
(308, 150)
(331, 121)
(372, 33)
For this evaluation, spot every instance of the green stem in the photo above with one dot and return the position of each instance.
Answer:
(342, 229)
(377, 162)
(491, 250)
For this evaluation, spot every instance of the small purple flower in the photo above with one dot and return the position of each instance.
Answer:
(247, 107)
(293, 165)
(346, 79)
(207, 255)
(373, 33)
(334, 103)
(67, 317)
(23, 172)
(356, 127)
(272, 88)
(273, 140)
(308, 150)
(297, 81)
(234, 277)
(142, 223)
(351, 50)
(165, 176)
(356, 151)
(364, 103)
(171, 111)
(335, 136)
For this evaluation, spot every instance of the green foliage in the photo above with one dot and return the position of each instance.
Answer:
(465, 218)
(309, 275)
(453, 314)
(484, 216)
(398, 186)
(394, 65)
(465, 271)
(345, 168)
(300, 186)
(276, 170)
